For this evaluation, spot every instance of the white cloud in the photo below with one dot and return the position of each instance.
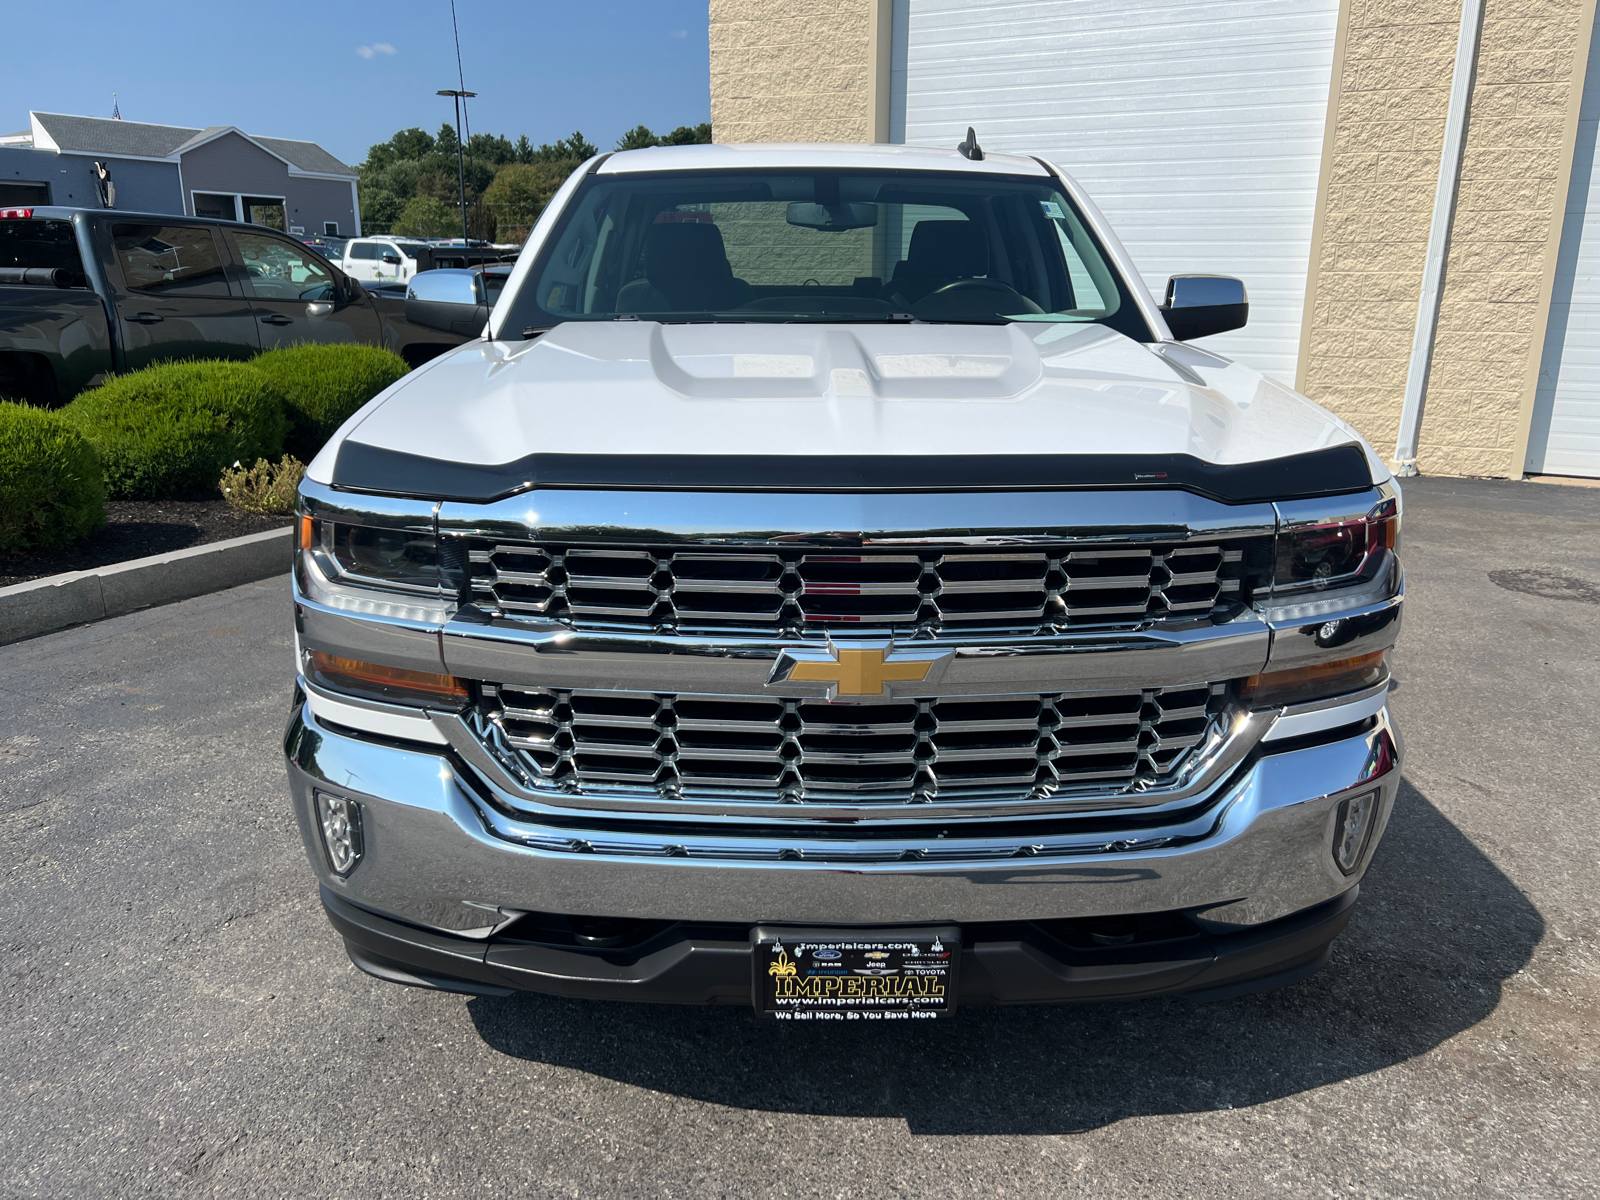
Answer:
(678, 33)
(375, 49)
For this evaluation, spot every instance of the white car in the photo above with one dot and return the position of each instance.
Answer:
(831, 584)
(379, 259)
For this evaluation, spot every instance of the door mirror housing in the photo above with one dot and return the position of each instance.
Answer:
(392, 259)
(1200, 305)
(450, 300)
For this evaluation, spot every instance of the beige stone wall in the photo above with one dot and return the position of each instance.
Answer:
(792, 70)
(1514, 174)
(1379, 178)
(1379, 175)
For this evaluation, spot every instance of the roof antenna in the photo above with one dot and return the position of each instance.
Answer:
(970, 148)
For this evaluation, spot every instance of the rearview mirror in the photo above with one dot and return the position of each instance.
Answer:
(1200, 305)
(831, 218)
(392, 259)
(447, 300)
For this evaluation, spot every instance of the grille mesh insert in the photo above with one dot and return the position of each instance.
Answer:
(890, 750)
(790, 592)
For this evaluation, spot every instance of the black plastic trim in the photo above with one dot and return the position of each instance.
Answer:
(1327, 472)
(1012, 963)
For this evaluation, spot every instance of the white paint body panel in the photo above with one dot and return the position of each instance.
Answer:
(642, 388)
(1565, 437)
(1196, 127)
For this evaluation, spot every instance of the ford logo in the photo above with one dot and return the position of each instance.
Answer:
(825, 954)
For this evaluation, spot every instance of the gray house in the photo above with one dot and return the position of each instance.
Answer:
(220, 171)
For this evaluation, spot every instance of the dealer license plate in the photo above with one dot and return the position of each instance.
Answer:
(855, 975)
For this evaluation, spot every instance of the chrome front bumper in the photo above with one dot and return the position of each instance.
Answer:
(444, 852)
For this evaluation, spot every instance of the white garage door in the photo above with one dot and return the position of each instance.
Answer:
(1195, 124)
(1565, 439)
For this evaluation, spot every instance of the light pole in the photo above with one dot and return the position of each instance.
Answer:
(461, 166)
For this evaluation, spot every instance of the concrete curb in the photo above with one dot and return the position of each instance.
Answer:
(44, 605)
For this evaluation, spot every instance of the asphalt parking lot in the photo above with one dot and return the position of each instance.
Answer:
(180, 1019)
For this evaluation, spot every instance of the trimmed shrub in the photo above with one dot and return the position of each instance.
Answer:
(267, 488)
(51, 492)
(324, 386)
(167, 432)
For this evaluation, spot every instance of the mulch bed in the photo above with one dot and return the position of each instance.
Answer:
(137, 529)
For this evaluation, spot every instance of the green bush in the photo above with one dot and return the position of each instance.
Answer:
(51, 492)
(168, 432)
(269, 489)
(324, 386)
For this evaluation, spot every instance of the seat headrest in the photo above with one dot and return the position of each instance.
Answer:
(954, 249)
(679, 250)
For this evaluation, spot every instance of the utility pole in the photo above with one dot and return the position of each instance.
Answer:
(461, 162)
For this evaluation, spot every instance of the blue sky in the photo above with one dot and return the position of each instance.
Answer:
(347, 73)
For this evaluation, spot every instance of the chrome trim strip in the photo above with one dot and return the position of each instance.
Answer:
(1315, 719)
(389, 512)
(552, 655)
(1012, 519)
(386, 720)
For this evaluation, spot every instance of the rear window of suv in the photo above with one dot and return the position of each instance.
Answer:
(45, 243)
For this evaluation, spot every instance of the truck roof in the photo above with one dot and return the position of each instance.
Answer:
(812, 155)
(65, 212)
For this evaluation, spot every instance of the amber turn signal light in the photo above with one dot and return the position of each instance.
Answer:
(307, 526)
(370, 677)
(1300, 684)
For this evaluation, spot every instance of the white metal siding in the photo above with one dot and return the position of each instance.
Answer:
(1196, 125)
(1565, 439)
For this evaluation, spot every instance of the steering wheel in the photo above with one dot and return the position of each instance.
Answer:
(1003, 296)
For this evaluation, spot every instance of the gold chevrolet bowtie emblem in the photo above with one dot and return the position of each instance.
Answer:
(860, 672)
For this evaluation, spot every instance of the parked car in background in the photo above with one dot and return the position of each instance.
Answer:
(330, 247)
(380, 258)
(84, 292)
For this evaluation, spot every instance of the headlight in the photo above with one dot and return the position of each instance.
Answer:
(393, 558)
(1318, 557)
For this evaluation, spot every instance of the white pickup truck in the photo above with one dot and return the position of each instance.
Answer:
(831, 584)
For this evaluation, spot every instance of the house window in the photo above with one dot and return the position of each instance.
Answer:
(216, 205)
(331, 227)
(265, 210)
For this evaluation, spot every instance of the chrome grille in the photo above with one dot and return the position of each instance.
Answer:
(681, 745)
(791, 591)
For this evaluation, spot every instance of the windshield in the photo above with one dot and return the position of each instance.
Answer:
(955, 247)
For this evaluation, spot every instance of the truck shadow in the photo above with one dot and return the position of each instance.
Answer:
(1438, 930)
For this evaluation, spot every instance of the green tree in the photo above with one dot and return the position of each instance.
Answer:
(519, 193)
(426, 217)
(379, 208)
(407, 144)
(491, 148)
(687, 135)
(637, 138)
(577, 146)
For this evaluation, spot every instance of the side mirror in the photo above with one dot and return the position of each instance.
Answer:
(447, 300)
(392, 259)
(1200, 305)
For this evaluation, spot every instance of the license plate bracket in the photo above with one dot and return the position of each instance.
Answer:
(832, 974)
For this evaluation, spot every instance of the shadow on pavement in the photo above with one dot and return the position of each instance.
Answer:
(1437, 931)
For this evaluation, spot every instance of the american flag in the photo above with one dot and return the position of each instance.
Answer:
(116, 113)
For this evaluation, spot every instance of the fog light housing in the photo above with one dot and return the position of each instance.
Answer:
(1352, 830)
(341, 831)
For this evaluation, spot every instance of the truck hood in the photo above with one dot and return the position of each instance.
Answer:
(639, 388)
